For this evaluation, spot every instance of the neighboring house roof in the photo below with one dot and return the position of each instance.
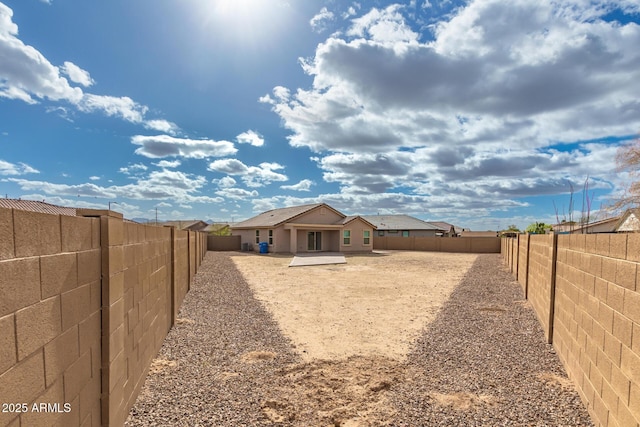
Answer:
(36, 206)
(192, 225)
(399, 222)
(607, 225)
(350, 218)
(629, 221)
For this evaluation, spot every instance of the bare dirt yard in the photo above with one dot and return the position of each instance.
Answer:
(403, 339)
(374, 305)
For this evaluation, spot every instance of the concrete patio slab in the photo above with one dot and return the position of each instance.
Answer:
(317, 259)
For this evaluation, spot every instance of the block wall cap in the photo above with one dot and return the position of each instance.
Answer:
(98, 212)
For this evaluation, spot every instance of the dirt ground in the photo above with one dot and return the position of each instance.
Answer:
(375, 305)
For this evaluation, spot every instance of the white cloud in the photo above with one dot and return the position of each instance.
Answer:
(251, 137)
(26, 75)
(135, 168)
(160, 146)
(176, 186)
(122, 107)
(9, 169)
(94, 178)
(226, 182)
(24, 72)
(162, 126)
(77, 74)
(168, 164)
(304, 185)
(237, 193)
(319, 22)
(252, 176)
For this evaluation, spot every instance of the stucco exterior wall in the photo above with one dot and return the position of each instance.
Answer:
(319, 215)
(357, 228)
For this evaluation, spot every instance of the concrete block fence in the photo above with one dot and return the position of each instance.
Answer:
(585, 290)
(85, 304)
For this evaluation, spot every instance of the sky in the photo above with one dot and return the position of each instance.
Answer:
(481, 113)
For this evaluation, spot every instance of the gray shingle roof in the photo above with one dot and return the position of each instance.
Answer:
(276, 216)
(398, 222)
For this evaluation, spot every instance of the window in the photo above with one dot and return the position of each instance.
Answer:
(257, 236)
(271, 237)
(380, 233)
(346, 237)
(405, 233)
(367, 237)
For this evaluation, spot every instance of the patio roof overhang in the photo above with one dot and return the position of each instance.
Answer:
(296, 226)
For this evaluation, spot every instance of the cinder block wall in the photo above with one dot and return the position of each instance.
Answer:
(540, 278)
(594, 295)
(50, 318)
(85, 304)
(439, 244)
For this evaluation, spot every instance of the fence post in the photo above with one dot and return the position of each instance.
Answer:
(526, 273)
(552, 291)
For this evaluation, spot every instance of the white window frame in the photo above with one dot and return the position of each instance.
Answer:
(345, 237)
(365, 237)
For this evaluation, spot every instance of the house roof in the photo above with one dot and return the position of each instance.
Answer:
(36, 206)
(192, 224)
(399, 222)
(276, 217)
(625, 223)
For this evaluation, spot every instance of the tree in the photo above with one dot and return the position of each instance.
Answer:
(538, 228)
(628, 160)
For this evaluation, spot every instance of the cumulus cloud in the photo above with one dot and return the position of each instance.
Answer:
(77, 74)
(319, 21)
(483, 108)
(237, 193)
(168, 164)
(160, 146)
(131, 169)
(176, 186)
(251, 137)
(27, 75)
(304, 185)
(252, 176)
(8, 169)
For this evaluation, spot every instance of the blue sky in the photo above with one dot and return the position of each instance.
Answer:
(480, 113)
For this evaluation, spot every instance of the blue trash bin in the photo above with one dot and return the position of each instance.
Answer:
(264, 247)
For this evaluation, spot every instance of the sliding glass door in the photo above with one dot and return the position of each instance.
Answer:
(314, 241)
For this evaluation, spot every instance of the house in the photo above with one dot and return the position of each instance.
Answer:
(449, 230)
(307, 228)
(402, 226)
(629, 221)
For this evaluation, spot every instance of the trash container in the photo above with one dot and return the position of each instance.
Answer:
(264, 247)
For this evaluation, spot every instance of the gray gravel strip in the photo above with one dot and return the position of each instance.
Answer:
(486, 352)
(483, 361)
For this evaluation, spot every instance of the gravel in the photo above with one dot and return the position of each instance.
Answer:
(483, 361)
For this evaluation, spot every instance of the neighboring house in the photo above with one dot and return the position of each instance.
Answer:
(402, 226)
(218, 229)
(629, 221)
(190, 225)
(306, 228)
(35, 206)
(448, 230)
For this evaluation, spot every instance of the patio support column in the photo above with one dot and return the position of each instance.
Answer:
(293, 240)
